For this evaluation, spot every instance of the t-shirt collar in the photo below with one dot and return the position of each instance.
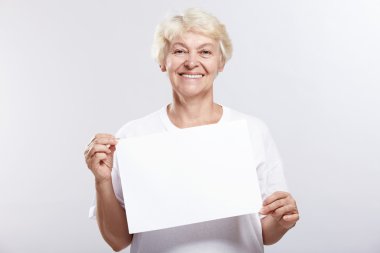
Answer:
(171, 127)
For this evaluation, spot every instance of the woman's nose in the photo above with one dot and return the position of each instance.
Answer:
(191, 61)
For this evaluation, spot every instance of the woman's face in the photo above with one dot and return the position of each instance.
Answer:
(192, 62)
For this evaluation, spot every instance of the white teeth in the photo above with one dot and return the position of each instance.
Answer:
(192, 76)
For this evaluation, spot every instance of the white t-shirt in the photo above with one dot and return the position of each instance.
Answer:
(241, 234)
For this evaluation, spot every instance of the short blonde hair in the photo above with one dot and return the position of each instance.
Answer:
(194, 20)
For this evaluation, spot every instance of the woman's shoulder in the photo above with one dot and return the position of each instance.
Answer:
(252, 121)
(148, 124)
(258, 129)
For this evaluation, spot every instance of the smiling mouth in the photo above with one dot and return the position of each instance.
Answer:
(191, 76)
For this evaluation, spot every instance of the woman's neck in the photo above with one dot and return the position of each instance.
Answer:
(193, 112)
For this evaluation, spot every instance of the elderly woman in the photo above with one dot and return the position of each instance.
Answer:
(192, 48)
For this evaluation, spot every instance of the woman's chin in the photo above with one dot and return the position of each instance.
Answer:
(192, 92)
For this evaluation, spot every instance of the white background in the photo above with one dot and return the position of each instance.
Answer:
(70, 69)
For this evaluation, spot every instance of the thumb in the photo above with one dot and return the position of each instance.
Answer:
(112, 148)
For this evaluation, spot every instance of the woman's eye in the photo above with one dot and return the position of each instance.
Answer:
(179, 51)
(206, 52)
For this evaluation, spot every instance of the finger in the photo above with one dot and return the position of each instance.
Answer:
(104, 141)
(291, 217)
(103, 135)
(97, 158)
(273, 206)
(275, 196)
(98, 149)
(285, 210)
(88, 148)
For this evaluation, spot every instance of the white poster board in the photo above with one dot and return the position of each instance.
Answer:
(191, 175)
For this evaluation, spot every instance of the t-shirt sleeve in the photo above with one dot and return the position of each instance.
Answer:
(270, 171)
(116, 183)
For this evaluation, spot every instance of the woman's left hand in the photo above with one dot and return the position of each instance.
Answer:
(282, 207)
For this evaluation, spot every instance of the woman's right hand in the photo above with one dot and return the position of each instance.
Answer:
(99, 156)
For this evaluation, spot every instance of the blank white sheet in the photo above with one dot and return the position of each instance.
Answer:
(187, 176)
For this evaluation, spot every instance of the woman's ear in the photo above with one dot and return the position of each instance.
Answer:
(163, 68)
(221, 66)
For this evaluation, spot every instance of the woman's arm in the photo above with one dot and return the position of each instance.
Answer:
(110, 214)
(111, 217)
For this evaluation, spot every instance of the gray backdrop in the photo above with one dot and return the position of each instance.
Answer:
(70, 69)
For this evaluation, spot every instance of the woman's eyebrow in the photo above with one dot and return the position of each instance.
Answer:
(205, 45)
(200, 46)
(179, 44)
